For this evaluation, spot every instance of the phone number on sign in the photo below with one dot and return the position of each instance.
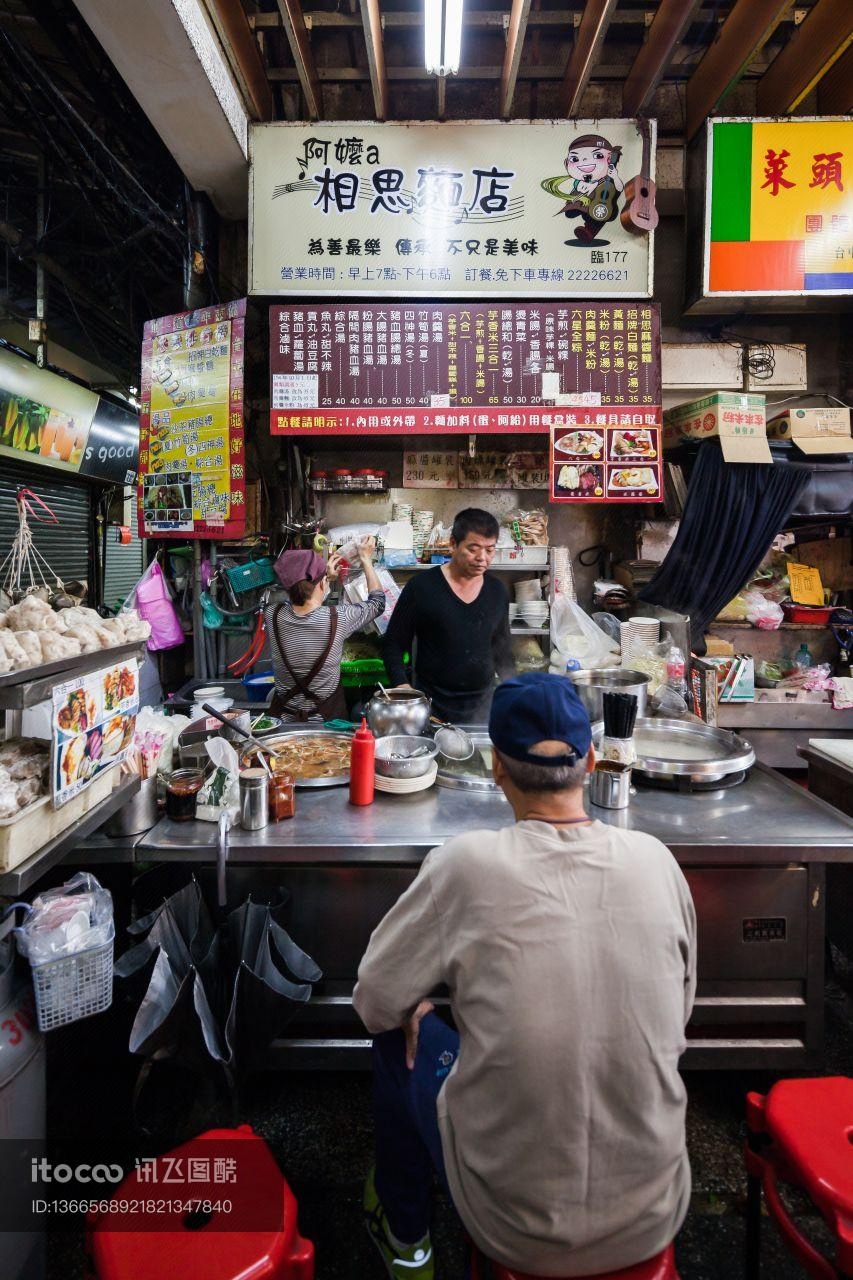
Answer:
(593, 273)
(131, 1206)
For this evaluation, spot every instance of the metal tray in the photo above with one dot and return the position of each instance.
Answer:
(335, 779)
(722, 752)
(21, 689)
(457, 774)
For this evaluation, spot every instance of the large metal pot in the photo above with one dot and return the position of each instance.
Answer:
(402, 711)
(591, 685)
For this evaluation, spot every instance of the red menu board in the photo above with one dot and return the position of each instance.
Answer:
(607, 455)
(396, 369)
(192, 466)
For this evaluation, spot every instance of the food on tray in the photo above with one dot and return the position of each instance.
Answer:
(79, 712)
(32, 633)
(23, 775)
(119, 684)
(632, 444)
(634, 478)
(312, 755)
(586, 444)
(585, 480)
(528, 528)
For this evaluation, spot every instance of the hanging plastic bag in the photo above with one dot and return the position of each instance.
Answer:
(151, 598)
(577, 636)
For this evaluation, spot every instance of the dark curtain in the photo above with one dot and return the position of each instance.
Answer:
(732, 513)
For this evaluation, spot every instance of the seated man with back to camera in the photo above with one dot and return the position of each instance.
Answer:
(555, 1115)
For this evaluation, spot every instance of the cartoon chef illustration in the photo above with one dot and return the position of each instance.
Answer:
(591, 187)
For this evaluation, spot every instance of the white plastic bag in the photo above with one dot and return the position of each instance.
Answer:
(74, 917)
(577, 636)
(765, 614)
(356, 591)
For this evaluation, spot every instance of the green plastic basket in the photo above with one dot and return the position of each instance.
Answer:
(252, 575)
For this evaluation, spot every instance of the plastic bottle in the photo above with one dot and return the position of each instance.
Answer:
(802, 658)
(361, 777)
(675, 671)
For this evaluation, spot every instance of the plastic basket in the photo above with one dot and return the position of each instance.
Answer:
(75, 986)
(251, 575)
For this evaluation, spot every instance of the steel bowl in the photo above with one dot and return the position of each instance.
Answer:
(401, 712)
(404, 756)
(592, 685)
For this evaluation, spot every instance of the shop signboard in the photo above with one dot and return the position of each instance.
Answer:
(778, 210)
(93, 719)
(192, 468)
(44, 419)
(112, 449)
(450, 368)
(465, 208)
(601, 455)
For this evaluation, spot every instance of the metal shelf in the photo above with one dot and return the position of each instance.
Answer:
(20, 879)
(529, 631)
(22, 689)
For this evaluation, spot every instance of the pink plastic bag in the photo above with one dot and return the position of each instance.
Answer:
(151, 598)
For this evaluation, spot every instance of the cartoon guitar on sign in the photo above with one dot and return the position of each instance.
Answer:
(639, 214)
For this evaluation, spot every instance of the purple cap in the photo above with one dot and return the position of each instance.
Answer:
(297, 566)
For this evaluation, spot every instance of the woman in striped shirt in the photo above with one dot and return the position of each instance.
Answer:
(307, 636)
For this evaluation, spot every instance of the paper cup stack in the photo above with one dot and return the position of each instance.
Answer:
(422, 523)
(637, 634)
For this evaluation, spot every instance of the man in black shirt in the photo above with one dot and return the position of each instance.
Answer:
(457, 615)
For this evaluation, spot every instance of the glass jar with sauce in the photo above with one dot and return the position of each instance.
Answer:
(282, 793)
(341, 478)
(181, 792)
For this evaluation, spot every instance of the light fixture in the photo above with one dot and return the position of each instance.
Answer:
(442, 36)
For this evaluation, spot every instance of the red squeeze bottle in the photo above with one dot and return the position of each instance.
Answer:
(361, 777)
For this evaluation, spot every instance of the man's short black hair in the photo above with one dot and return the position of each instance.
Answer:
(473, 520)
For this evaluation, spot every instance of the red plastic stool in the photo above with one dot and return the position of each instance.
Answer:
(217, 1207)
(660, 1267)
(801, 1133)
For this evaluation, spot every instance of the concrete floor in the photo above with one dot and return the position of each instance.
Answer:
(319, 1127)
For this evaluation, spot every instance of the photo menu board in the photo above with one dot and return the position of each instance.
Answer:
(601, 455)
(391, 370)
(192, 466)
(93, 719)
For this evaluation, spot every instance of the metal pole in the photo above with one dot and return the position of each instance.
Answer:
(41, 285)
(199, 656)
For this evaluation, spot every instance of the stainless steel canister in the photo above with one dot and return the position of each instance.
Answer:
(610, 787)
(254, 799)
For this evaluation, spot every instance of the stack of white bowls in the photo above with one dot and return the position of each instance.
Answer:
(422, 523)
(637, 634)
(402, 511)
(534, 614)
(529, 590)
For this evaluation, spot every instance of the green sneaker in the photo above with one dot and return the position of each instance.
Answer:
(402, 1261)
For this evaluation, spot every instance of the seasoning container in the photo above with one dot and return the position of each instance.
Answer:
(364, 478)
(610, 785)
(320, 480)
(282, 795)
(341, 478)
(254, 802)
(362, 770)
(181, 791)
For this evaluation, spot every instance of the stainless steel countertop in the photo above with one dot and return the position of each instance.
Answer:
(764, 820)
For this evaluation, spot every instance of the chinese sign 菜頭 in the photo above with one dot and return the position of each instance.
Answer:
(94, 716)
(607, 456)
(527, 209)
(779, 208)
(192, 467)
(391, 370)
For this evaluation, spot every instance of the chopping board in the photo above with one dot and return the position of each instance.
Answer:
(840, 749)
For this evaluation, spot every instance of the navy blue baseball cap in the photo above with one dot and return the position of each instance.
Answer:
(538, 707)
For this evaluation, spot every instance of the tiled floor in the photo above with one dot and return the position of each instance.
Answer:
(320, 1129)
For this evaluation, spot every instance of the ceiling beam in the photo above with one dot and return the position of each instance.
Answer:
(472, 18)
(515, 33)
(814, 46)
(372, 20)
(746, 30)
(244, 56)
(835, 91)
(604, 72)
(293, 22)
(669, 24)
(589, 37)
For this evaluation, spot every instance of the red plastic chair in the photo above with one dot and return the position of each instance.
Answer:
(256, 1238)
(801, 1133)
(660, 1267)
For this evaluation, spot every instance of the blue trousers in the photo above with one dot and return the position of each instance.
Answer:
(408, 1144)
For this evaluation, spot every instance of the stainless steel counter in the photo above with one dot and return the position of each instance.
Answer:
(764, 820)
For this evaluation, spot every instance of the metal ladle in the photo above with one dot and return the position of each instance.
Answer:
(452, 742)
(261, 747)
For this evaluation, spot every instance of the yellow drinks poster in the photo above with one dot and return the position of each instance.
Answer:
(192, 477)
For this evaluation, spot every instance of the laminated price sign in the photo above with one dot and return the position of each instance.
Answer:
(192, 467)
(94, 716)
(611, 455)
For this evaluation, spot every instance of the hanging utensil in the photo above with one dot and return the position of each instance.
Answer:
(452, 742)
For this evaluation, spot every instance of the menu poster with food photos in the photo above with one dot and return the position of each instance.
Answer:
(456, 369)
(613, 455)
(192, 465)
(93, 719)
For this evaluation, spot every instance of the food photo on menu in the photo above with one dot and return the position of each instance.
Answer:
(632, 444)
(584, 480)
(581, 444)
(623, 479)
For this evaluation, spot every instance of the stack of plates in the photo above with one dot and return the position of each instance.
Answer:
(637, 634)
(406, 786)
(534, 614)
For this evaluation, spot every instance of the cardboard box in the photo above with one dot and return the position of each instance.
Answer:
(814, 430)
(703, 689)
(736, 418)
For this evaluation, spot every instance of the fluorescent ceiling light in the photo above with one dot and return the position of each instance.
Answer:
(442, 36)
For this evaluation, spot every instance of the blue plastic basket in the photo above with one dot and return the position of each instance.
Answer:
(259, 685)
(252, 575)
